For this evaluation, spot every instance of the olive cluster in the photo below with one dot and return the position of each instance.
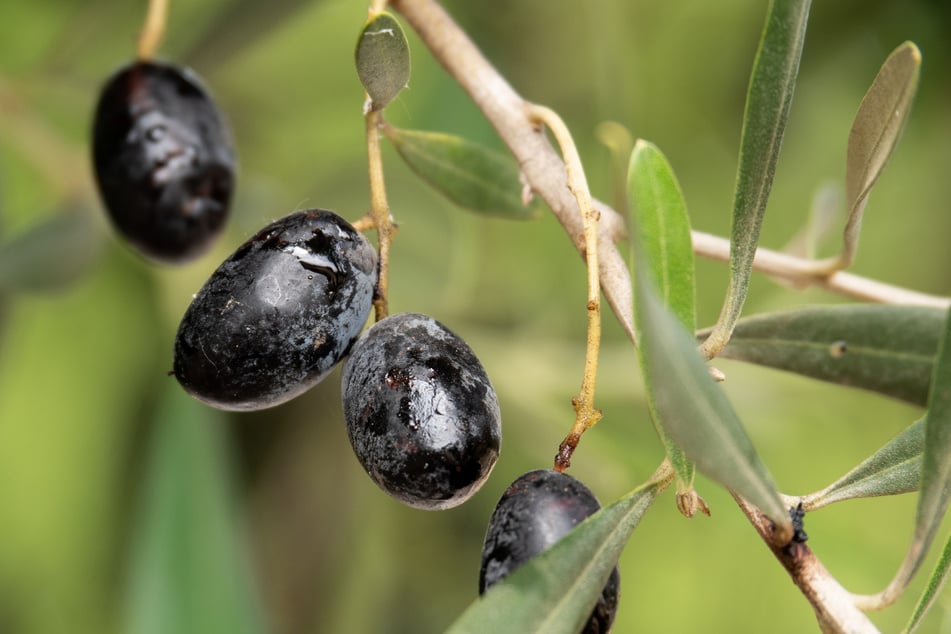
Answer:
(290, 304)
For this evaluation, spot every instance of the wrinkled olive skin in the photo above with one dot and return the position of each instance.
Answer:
(421, 413)
(163, 160)
(537, 510)
(278, 314)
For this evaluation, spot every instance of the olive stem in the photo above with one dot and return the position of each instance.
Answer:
(153, 29)
(586, 414)
(833, 605)
(379, 211)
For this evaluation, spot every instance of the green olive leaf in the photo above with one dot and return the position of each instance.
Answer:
(555, 591)
(875, 133)
(935, 468)
(382, 59)
(892, 470)
(936, 463)
(189, 572)
(885, 349)
(663, 232)
(694, 410)
(935, 583)
(472, 176)
(764, 122)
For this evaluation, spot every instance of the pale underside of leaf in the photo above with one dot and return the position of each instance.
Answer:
(875, 132)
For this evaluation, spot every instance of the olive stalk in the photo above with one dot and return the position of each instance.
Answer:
(153, 29)
(586, 414)
(379, 211)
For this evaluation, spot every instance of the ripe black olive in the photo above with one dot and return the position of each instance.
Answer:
(537, 510)
(421, 413)
(163, 160)
(278, 314)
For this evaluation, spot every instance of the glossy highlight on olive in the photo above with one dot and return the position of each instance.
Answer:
(421, 414)
(278, 314)
(163, 159)
(537, 510)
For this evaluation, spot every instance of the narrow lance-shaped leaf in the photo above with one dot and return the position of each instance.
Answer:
(382, 58)
(663, 232)
(935, 583)
(935, 471)
(470, 175)
(764, 121)
(189, 570)
(875, 133)
(892, 470)
(555, 591)
(885, 349)
(936, 463)
(695, 411)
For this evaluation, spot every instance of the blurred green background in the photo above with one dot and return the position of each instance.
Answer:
(127, 507)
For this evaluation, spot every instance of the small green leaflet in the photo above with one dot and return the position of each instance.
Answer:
(382, 59)
(663, 232)
(764, 121)
(189, 574)
(892, 470)
(886, 349)
(875, 133)
(555, 592)
(470, 175)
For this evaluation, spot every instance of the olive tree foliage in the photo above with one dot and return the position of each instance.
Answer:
(694, 418)
(639, 253)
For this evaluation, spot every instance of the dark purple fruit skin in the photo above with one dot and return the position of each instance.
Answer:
(278, 314)
(421, 413)
(537, 510)
(163, 160)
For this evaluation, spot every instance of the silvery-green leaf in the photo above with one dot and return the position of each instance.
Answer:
(882, 348)
(764, 121)
(382, 59)
(875, 133)
(472, 176)
(892, 470)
